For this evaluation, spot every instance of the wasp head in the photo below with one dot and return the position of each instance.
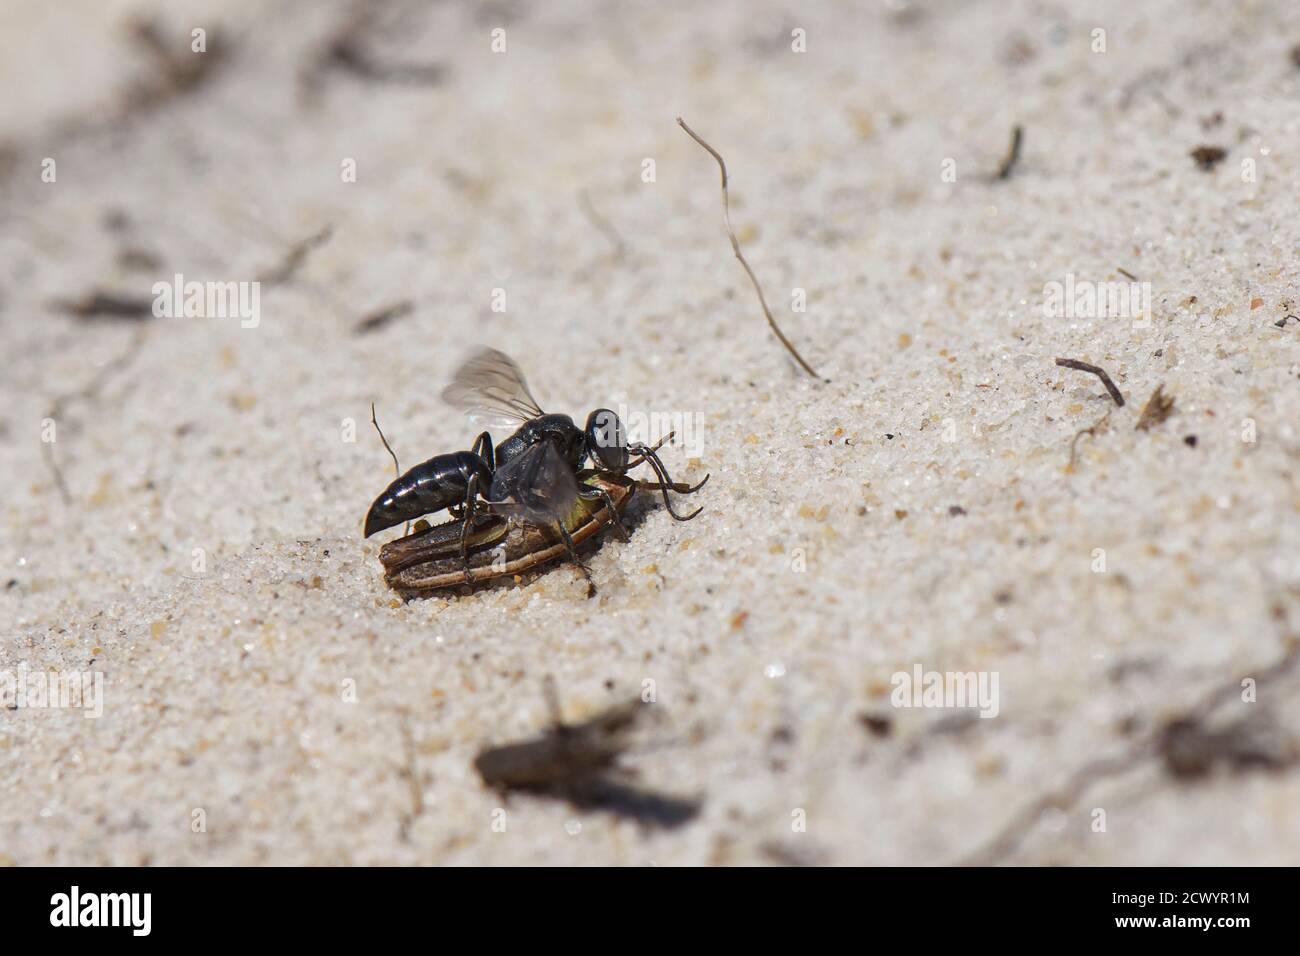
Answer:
(606, 440)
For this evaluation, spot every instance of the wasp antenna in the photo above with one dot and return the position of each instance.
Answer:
(641, 450)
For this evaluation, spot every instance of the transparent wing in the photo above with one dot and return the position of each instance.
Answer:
(537, 485)
(490, 389)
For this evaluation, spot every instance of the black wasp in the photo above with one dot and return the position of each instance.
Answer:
(532, 475)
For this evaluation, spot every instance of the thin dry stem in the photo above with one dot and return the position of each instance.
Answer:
(735, 247)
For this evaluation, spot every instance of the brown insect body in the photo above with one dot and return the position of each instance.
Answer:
(498, 545)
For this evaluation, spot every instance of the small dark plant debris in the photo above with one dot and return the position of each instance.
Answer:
(107, 305)
(1158, 407)
(381, 317)
(1099, 372)
(1013, 153)
(878, 725)
(1190, 748)
(1207, 157)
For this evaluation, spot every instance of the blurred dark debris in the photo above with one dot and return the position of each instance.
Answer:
(1205, 57)
(173, 70)
(293, 260)
(380, 318)
(1018, 50)
(349, 55)
(1281, 323)
(1294, 56)
(1191, 749)
(779, 743)
(349, 49)
(1188, 747)
(179, 70)
(578, 763)
(135, 259)
(606, 228)
(88, 393)
(1207, 157)
(106, 305)
(1158, 408)
(878, 725)
(1122, 670)
(1013, 153)
(791, 853)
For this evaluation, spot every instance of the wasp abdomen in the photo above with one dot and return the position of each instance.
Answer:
(436, 484)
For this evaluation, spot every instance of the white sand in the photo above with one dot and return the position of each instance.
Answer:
(224, 688)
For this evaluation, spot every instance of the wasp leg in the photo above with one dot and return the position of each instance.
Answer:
(573, 555)
(615, 518)
(483, 448)
(471, 498)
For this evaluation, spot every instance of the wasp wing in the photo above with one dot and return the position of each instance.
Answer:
(491, 390)
(537, 485)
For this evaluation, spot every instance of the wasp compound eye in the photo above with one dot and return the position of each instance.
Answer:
(606, 440)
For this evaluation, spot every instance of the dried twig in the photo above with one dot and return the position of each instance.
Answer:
(1013, 154)
(1100, 373)
(735, 247)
